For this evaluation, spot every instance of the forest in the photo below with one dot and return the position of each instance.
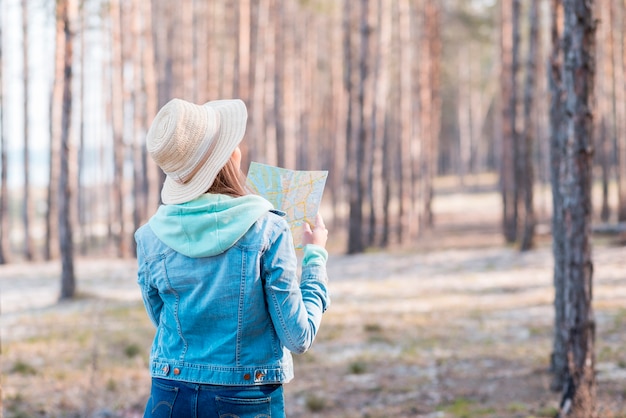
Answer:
(392, 97)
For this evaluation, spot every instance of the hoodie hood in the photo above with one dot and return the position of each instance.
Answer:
(208, 225)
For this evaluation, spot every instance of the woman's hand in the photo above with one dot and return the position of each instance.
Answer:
(318, 235)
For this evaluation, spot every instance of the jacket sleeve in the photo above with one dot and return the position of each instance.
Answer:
(295, 308)
(150, 295)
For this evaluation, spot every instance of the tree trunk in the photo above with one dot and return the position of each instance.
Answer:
(604, 94)
(355, 233)
(68, 281)
(579, 397)
(4, 196)
(117, 122)
(81, 209)
(619, 69)
(27, 212)
(282, 157)
(379, 109)
(557, 140)
(353, 229)
(429, 103)
(407, 227)
(55, 110)
(527, 144)
(507, 87)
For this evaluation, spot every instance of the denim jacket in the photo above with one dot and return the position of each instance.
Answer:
(219, 280)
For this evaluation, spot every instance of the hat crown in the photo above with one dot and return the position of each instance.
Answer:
(191, 143)
(181, 137)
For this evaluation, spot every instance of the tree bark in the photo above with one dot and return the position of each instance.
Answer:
(4, 189)
(507, 86)
(429, 104)
(619, 102)
(527, 144)
(68, 281)
(579, 393)
(557, 143)
(356, 242)
(117, 122)
(27, 211)
(604, 94)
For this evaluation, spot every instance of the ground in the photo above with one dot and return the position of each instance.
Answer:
(458, 326)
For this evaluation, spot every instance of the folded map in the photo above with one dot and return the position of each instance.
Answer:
(298, 193)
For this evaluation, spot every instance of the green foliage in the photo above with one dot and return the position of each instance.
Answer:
(23, 368)
(132, 350)
(466, 408)
(315, 403)
(357, 367)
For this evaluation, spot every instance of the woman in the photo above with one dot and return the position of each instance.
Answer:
(218, 274)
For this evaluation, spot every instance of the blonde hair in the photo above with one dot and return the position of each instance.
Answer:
(229, 181)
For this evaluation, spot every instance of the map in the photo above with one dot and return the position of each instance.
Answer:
(297, 193)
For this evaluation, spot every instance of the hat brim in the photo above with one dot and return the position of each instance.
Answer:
(233, 118)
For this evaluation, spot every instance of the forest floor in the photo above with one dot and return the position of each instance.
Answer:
(459, 326)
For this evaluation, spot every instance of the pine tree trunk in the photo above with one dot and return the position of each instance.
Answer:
(277, 107)
(527, 144)
(407, 227)
(357, 164)
(117, 122)
(557, 131)
(507, 87)
(428, 109)
(51, 250)
(68, 281)
(4, 197)
(604, 92)
(619, 69)
(27, 211)
(579, 399)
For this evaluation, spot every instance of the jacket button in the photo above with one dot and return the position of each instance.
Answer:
(176, 371)
(259, 375)
(246, 376)
(166, 369)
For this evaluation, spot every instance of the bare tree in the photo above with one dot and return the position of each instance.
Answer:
(356, 239)
(619, 101)
(527, 179)
(579, 397)
(27, 212)
(557, 141)
(429, 107)
(509, 47)
(68, 281)
(117, 122)
(4, 189)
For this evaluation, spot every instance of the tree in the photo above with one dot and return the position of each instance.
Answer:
(28, 204)
(527, 142)
(68, 281)
(575, 185)
(429, 107)
(4, 197)
(619, 101)
(357, 150)
(557, 132)
(508, 74)
(117, 122)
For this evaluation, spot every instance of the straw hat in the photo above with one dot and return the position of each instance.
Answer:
(191, 144)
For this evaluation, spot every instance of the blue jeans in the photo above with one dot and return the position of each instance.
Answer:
(174, 399)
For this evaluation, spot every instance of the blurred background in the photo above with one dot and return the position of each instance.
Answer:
(386, 95)
(415, 107)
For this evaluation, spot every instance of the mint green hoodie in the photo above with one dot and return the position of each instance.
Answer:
(208, 225)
